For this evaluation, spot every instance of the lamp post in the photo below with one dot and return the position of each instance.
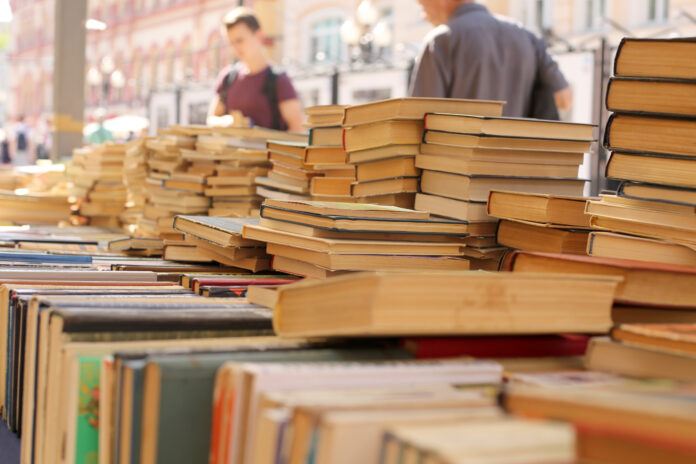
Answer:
(105, 77)
(364, 33)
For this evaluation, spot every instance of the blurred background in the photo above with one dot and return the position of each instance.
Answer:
(151, 63)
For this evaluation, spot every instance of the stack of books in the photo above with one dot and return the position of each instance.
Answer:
(325, 153)
(383, 138)
(614, 417)
(97, 171)
(220, 240)
(652, 217)
(289, 176)
(135, 180)
(166, 173)
(35, 208)
(464, 157)
(237, 157)
(538, 222)
(322, 239)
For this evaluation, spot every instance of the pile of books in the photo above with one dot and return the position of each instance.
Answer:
(464, 157)
(165, 197)
(135, 180)
(97, 175)
(383, 138)
(237, 157)
(312, 169)
(322, 239)
(651, 134)
(539, 222)
(35, 208)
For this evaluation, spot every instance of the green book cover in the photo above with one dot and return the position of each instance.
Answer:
(87, 433)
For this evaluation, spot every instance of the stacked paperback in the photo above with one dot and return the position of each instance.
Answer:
(320, 239)
(464, 157)
(383, 138)
(652, 217)
(97, 173)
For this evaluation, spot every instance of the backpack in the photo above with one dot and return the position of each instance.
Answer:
(269, 90)
(21, 141)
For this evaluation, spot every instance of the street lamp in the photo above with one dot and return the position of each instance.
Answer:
(365, 32)
(105, 77)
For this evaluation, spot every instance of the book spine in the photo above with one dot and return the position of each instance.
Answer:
(607, 136)
(606, 97)
(617, 56)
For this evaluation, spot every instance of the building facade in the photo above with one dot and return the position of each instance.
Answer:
(177, 47)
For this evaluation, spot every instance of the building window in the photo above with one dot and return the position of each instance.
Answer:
(325, 41)
(658, 10)
(536, 15)
(593, 14)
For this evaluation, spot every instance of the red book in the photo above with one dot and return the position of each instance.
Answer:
(535, 346)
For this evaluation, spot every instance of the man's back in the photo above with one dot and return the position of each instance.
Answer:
(476, 55)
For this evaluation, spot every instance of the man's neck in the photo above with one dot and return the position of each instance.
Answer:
(257, 65)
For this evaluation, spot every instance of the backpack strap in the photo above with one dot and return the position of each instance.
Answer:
(270, 90)
(226, 84)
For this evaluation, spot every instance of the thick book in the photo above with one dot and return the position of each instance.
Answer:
(416, 108)
(532, 236)
(386, 169)
(462, 210)
(326, 136)
(621, 246)
(387, 152)
(639, 360)
(537, 207)
(650, 96)
(225, 232)
(560, 148)
(483, 168)
(674, 338)
(654, 169)
(337, 246)
(503, 155)
(361, 262)
(670, 285)
(673, 216)
(477, 188)
(655, 58)
(651, 135)
(348, 223)
(508, 127)
(325, 156)
(661, 193)
(394, 304)
(497, 347)
(382, 134)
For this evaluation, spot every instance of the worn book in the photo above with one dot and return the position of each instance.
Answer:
(226, 232)
(351, 220)
(655, 58)
(382, 134)
(532, 236)
(462, 210)
(661, 170)
(395, 304)
(484, 168)
(561, 148)
(674, 338)
(669, 97)
(542, 208)
(671, 286)
(508, 127)
(661, 193)
(477, 188)
(416, 108)
(612, 245)
(646, 212)
(651, 135)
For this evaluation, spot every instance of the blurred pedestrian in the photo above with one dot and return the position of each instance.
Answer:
(21, 132)
(253, 86)
(473, 54)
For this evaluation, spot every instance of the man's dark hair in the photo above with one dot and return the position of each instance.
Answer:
(242, 15)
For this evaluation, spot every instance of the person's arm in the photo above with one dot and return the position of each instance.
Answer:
(552, 77)
(432, 74)
(564, 99)
(291, 111)
(216, 113)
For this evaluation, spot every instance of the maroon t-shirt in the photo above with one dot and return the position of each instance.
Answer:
(245, 94)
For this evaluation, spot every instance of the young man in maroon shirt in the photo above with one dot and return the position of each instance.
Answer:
(253, 86)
